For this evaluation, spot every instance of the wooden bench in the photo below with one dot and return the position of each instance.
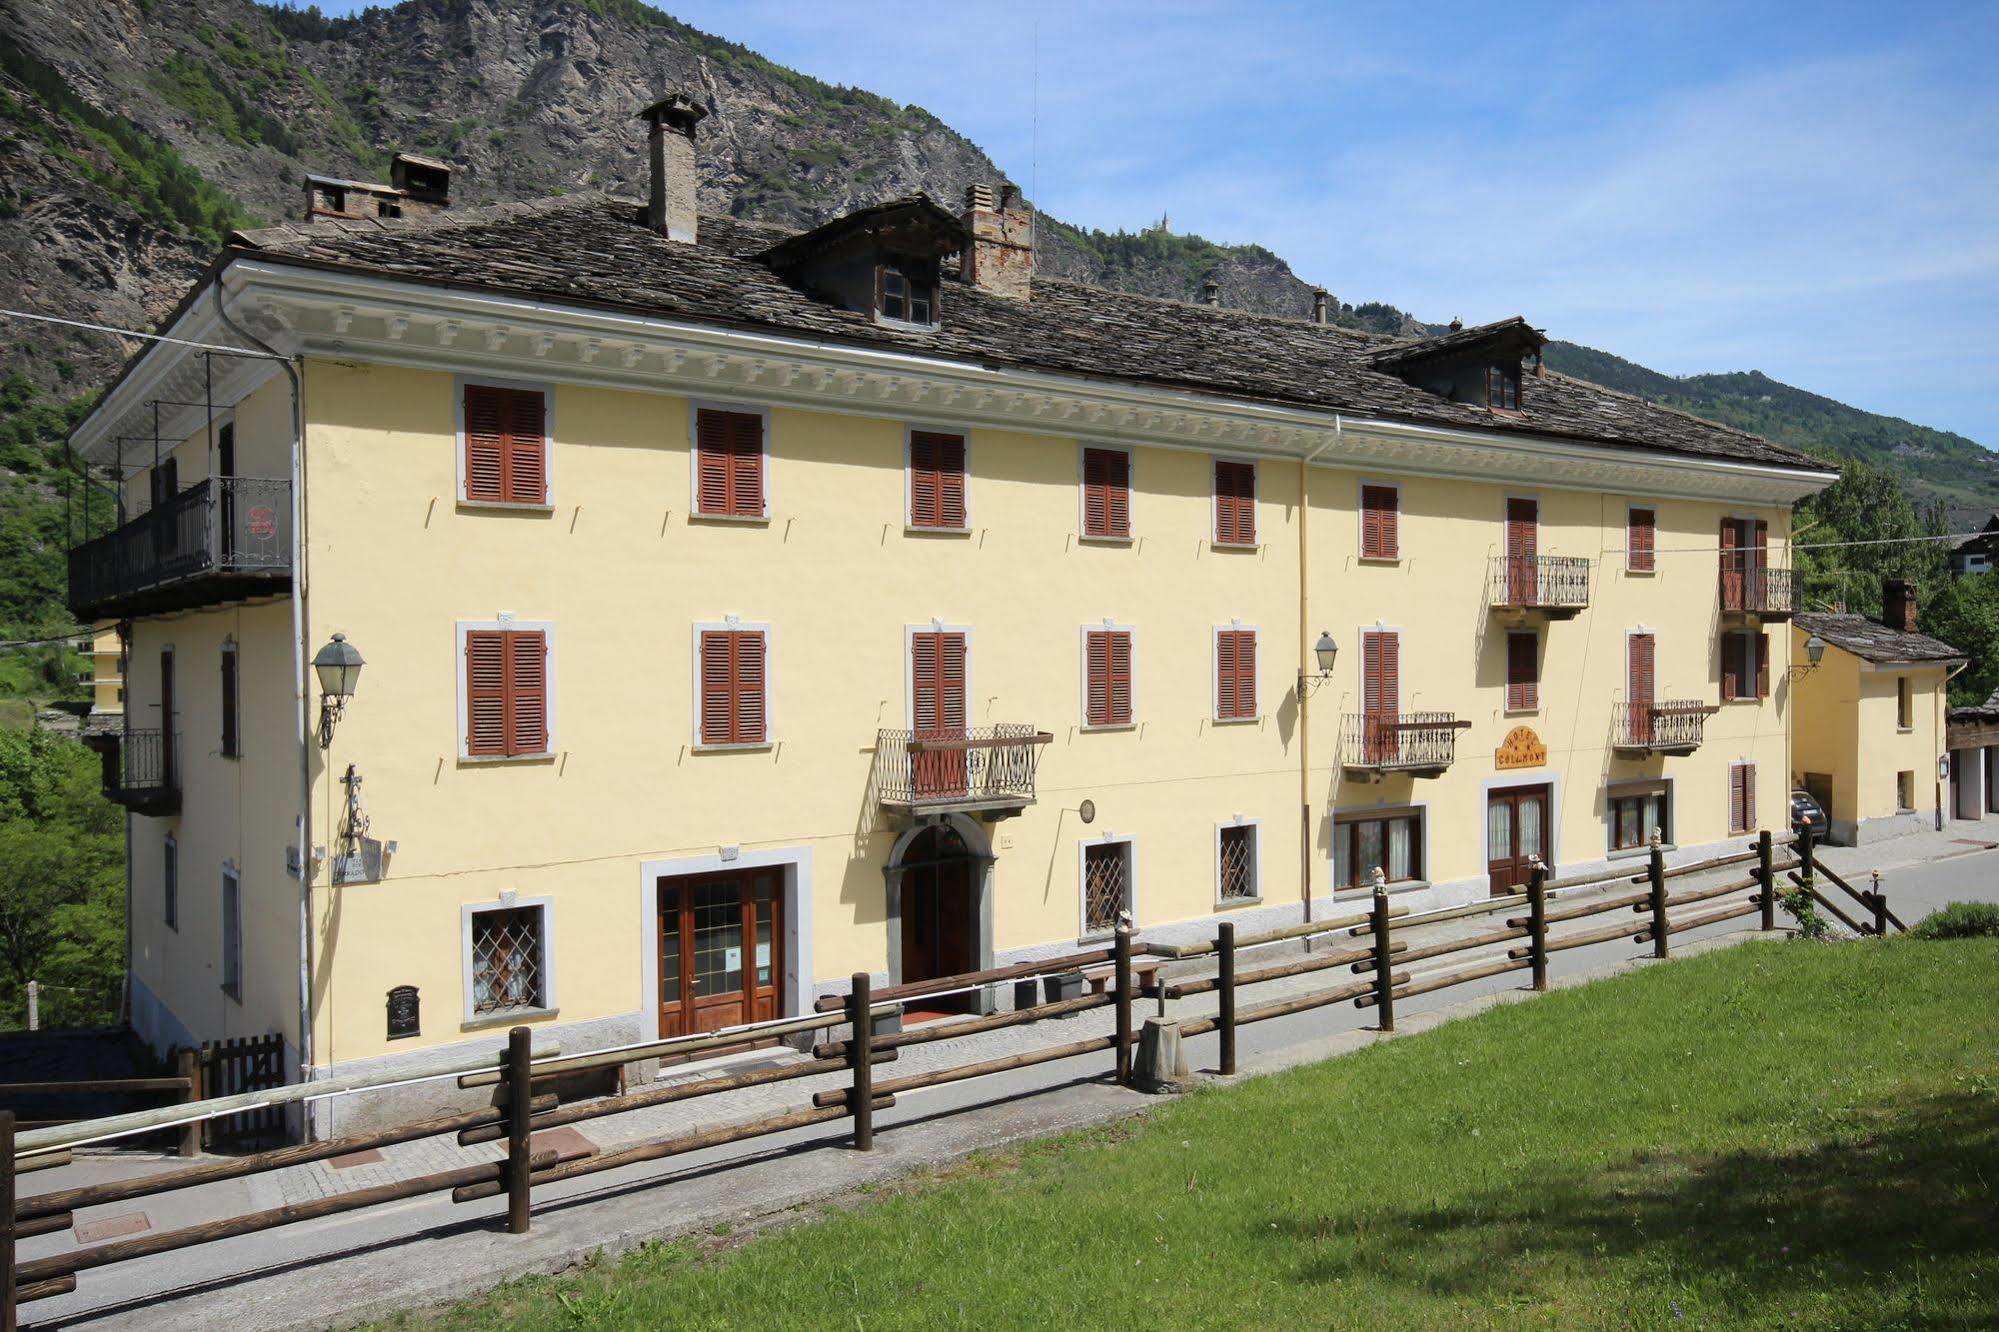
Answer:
(1144, 971)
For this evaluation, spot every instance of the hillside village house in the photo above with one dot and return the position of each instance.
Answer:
(740, 609)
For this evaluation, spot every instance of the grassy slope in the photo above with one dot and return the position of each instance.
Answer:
(1775, 1135)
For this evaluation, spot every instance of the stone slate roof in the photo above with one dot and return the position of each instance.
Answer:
(591, 250)
(1871, 640)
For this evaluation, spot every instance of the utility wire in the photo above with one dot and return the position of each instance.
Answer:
(134, 333)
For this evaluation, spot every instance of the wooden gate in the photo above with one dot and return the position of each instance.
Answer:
(244, 1064)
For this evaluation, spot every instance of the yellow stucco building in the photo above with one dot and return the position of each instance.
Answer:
(741, 610)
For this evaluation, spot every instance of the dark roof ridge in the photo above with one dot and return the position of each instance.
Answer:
(1680, 412)
(1223, 311)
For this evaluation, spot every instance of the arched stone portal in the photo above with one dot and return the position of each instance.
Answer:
(940, 907)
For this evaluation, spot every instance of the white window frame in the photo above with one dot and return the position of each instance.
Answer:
(459, 384)
(1255, 501)
(1083, 447)
(762, 411)
(231, 914)
(1083, 633)
(1652, 572)
(508, 623)
(170, 883)
(548, 1007)
(1214, 675)
(1084, 933)
(1612, 792)
(1420, 810)
(1361, 487)
(733, 625)
(1255, 863)
(909, 525)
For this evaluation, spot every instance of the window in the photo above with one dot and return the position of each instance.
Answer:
(1389, 841)
(1235, 503)
(232, 937)
(506, 692)
(1502, 387)
(1107, 677)
(1235, 674)
(1905, 718)
(1379, 520)
(170, 884)
(1523, 672)
(1638, 810)
(907, 290)
(1641, 544)
(728, 463)
(1235, 863)
(509, 961)
(1106, 885)
(936, 480)
(231, 712)
(504, 442)
(1905, 791)
(1741, 797)
(1106, 494)
(733, 706)
(1745, 666)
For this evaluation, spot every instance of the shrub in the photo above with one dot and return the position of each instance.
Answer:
(1960, 920)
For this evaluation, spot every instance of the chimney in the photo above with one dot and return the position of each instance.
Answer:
(1319, 298)
(424, 181)
(999, 256)
(670, 206)
(1211, 291)
(1898, 604)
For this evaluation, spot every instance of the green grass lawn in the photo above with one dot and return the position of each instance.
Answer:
(1783, 1135)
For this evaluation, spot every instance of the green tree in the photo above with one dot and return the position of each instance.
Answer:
(1866, 505)
(61, 880)
(1964, 612)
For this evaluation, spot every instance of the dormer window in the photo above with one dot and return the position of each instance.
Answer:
(883, 262)
(1502, 387)
(907, 290)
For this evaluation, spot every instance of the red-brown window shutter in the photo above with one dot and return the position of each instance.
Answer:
(1523, 672)
(1235, 674)
(1107, 677)
(1106, 493)
(733, 708)
(1761, 645)
(936, 480)
(485, 692)
(505, 445)
(1381, 669)
(1641, 683)
(1235, 503)
(1732, 683)
(1379, 537)
(1640, 540)
(728, 463)
(1741, 797)
(527, 692)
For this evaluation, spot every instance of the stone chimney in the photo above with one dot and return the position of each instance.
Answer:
(1898, 604)
(1319, 298)
(424, 181)
(999, 256)
(670, 206)
(1211, 291)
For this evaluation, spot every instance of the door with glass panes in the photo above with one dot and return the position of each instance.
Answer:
(1516, 835)
(721, 939)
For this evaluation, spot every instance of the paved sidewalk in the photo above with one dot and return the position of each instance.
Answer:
(349, 1268)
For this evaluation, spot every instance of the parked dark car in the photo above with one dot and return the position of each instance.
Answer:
(1805, 813)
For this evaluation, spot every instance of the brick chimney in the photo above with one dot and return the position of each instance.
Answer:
(1898, 604)
(670, 205)
(999, 258)
(1319, 298)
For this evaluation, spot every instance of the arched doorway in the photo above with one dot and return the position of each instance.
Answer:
(940, 877)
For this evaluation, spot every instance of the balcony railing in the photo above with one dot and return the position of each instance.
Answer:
(141, 769)
(1675, 726)
(1557, 584)
(980, 768)
(1750, 589)
(218, 540)
(1419, 743)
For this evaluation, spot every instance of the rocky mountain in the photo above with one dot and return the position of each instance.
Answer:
(134, 134)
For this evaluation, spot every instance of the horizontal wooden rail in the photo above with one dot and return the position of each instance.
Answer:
(1448, 947)
(1324, 962)
(1354, 924)
(1676, 871)
(1703, 894)
(1861, 895)
(42, 1290)
(49, 1224)
(950, 1031)
(100, 1085)
(45, 1161)
(1602, 876)
(1278, 1008)
(1587, 937)
(673, 1045)
(1447, 980)
(1596, 908)
(937, 1077)
(1830, 906)
(1705, 918)
(828, 1003)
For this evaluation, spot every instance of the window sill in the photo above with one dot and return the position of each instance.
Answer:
(1231, 903)
(1641, 573)
(1382, 561)
(921, 530)
(1638, 852)
(1239, 547)
(512, 506)
(1236, 721)
(1089, 540)
(1364, 892)
(235, 995)
(1731, 702)
(1109, 728)
(482, 760)
(1905, 730)
(738, 519)
(1520, 712)
(511, 1017)
(760, 746)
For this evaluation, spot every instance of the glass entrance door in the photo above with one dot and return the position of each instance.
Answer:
(1516, 834)
(720, 946)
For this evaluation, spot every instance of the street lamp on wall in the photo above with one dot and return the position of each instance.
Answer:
(338, 665)
(1326, 650)
(1814, 653)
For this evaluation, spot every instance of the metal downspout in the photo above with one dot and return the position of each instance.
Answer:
(1305, 663)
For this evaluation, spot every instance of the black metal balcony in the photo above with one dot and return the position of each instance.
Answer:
(983, 769)
(1752, 590)
(222, 539)
(1555, 585)
(1418, 744)
(141, 769)
(1676, 726)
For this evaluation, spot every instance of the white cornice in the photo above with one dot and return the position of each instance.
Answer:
(326, 313)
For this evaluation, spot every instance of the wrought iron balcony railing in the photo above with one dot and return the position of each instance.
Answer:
(141, 769)
(218, 540)
(977, 768)
(1675, 726)
(1557, 584)
(1751, 589)
(1420, 743)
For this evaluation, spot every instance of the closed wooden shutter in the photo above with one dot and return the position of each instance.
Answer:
(1641, 686)
(506, 445)
(506, 692)
(1523, 528)
(1379, 535)
(728, 467)
(936, 480)
(1762, 646)
(937, 662)
(230, 739)
(1106, 493)
(1741, 797)
(1381, 689)
(1523, 672)
(1235, 503)
(527, 692)
(485, 444)
(1107, 683)
(1641, 540)
(1731, 565)
(1235, 674)
(733, 709)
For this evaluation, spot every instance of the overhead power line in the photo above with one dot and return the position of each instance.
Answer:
(135, 333)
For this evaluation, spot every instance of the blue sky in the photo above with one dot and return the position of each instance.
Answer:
(1809, 190)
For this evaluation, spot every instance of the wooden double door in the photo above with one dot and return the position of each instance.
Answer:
(720, 950)
(939, 892)
(1516, 834)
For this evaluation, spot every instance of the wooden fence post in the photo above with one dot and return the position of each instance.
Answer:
(1121, 954)
(1384, 976)
(1880, 908)
(1225, 951)
(7, 1314)
(861, 1052)
(1656, 871)
(187, 1064)
(1805, 847)
(1537, 922)
(1766, 875)
(520, 1122)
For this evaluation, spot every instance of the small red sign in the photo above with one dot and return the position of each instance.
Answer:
(263, 521)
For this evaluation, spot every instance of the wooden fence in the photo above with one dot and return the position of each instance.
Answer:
(1378, 959)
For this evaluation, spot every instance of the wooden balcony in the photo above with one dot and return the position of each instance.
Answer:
(1672, 727)
(1750, 591)
(141, 770)
(220, 540)
(1415, 744)
(985, 770)
(1554, 586)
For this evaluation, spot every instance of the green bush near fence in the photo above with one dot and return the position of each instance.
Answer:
(1758, 1137)
(1960, 920)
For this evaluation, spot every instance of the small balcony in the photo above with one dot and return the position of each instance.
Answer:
(1555, 586)
(141, 769)
(1675, 726)
(1751, 591)
(1415, 744)
(985, 770)
(223, 539)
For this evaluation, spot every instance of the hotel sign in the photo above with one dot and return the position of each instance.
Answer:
(1521, 749)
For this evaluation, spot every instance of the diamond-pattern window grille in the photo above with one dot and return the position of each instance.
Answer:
(1105, 886)
(507, 969)
(1238, 862)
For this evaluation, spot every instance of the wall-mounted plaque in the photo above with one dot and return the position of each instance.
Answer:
(1521, 749)
(403, 1013)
